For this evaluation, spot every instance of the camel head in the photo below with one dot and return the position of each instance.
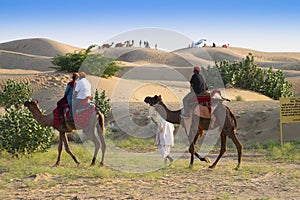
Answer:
(153, 100)
(31, 104)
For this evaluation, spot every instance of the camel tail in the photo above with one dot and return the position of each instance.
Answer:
(101, 122)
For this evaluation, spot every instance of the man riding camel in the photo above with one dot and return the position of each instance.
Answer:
(198, 85)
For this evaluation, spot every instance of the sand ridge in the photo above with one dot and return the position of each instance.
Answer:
(258, 115)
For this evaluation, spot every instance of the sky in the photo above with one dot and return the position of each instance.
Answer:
(264, 25)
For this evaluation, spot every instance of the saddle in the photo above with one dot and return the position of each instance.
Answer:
(203, 108)
(205, 103)
(81, 115)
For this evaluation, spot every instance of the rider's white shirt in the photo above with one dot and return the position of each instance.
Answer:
(83, 89)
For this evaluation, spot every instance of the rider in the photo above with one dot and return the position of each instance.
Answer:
(83, 90)
(67, 99)
(198, 85)
(69, 90)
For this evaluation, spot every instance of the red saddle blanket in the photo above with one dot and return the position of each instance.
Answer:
(82, 114)
(59, 118)
(203, 100)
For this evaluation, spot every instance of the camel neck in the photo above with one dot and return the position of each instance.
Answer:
(168, 115)
(40, 117)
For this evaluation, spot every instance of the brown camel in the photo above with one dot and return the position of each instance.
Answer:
(107, 45)
(223, 116)
(97, 120)
(120, 44)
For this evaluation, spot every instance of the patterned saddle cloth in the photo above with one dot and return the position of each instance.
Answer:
(59, 118)
(83, 113)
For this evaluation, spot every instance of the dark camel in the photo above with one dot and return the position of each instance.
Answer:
(107, 45)
(223, 116)
(97, 120)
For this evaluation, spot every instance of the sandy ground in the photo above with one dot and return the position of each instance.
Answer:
(257, 179)
(258, 121)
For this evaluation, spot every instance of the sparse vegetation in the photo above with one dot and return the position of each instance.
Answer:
(20, 134)
(103, 102)
(239, 98)
(14, 94)
(84, 60)
(247, 75)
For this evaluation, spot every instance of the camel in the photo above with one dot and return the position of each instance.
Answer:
(96, 121)
(107, 45)
(120, 44)
(132, 43)
(223, 116)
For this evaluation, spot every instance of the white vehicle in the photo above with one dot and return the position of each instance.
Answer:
(199, 43)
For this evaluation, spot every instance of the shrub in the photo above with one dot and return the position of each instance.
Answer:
(91, 63)
(19, 133)
(239, 98)
(14, 94)
(247, 75)
(102, 102)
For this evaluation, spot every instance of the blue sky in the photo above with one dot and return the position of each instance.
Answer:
(266, 25)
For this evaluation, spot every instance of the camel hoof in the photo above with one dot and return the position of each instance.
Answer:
(101, 164)
(77, 164)
(237, 167)
(212, 166)
(57, 164)
(190, 166)
(207, 159)
(92, 164)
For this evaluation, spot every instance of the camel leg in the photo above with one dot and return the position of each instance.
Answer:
(222, 150)
(239, 148)
(192, 147)
(91, 135)
(205, 159)
(198, 135)
(191, 150)
(68, 149)
(192, 141)
(59, 148)
(103, 144)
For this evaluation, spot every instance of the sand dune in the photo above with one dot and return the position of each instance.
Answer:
(258, 115)
(16, 60)
(38, 46)
(31, 54)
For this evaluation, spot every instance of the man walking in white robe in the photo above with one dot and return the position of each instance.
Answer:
(165, 138)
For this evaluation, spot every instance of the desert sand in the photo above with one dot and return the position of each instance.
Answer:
(147, 72)
(150, 72)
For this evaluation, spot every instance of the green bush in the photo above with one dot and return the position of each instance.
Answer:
(103, 102)
(19, 133)
(91, 63)
(247, 75)
(14, 94)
